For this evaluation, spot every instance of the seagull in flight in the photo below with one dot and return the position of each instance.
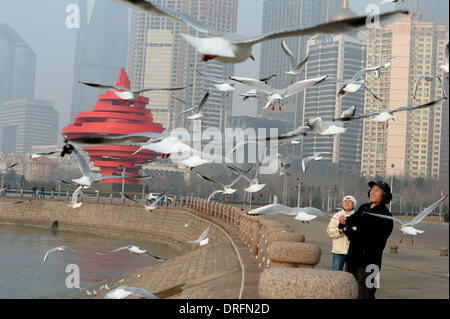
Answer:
(73, 203)
(317, 156)
(122, 292)
(135, 250)
(197, 110)
(428, 78)
(226, 189)
(408, 227)
(444, 67)
(386, 115)
(202, 240)
(275, 95)
(88, 177)
(233, 48)
(56, 249)
(296, 69)
(36, 156)
(148, 208)
(221, 84)
(303, 214)
(128, 94)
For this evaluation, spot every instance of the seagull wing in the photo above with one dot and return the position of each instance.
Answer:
(254, 83)
(272, 209)
(420, 78)
(333, 27)
(301, 64)
(312, 210)
(114, 251)
(12, 203)
(214, 193)
(101, 140)
(288, 53)
(304, 161)
(132, 200)
(417, 219)
(212, 78)
(161, 89)
(371, 93)
(75, 195)
(210, 180)
(156, 9)
(84, 166)
(139, 292)
(100, 86)
(205, 233)
(302, 85)
(420, 106)
(387, 217)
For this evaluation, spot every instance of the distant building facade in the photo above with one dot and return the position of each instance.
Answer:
(17, 66)
(25, 123)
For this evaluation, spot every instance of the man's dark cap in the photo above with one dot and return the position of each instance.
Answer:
(384, 186)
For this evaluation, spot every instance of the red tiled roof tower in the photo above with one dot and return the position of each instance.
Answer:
(114, 116)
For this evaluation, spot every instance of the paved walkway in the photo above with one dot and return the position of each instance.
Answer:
(417, 271)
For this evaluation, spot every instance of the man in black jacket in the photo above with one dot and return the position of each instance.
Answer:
(367, 242)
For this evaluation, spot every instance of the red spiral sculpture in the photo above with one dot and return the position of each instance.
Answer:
(113, 116)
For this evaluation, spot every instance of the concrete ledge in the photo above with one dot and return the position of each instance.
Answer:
(290, 283)
(293, 254)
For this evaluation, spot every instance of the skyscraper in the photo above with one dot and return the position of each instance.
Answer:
(338, 56)
(25, 123)
(412, 145)
(160, 57)
(303, 13)
(101, 49)
(17, 66)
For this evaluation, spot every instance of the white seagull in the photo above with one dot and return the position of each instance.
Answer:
(135, 250)
(148, 208)
(60, 248)
(389, 1)
(226, 189)
(128, 94)
(233, 48)
(122, 292)
(88, 177)
(303, 214)
(197, 110)
(428, 78)
(73, 203)
(296, 69)
(386, 115)
(224, 86)
(317, 156)
(275, 95)
(35, 156)
(408, 227)
(201, 240)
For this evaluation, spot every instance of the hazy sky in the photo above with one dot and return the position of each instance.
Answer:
(42, 25)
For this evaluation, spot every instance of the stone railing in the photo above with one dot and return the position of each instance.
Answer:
(285, 262)
(277, 262)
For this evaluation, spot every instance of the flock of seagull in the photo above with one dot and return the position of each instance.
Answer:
(233, 48)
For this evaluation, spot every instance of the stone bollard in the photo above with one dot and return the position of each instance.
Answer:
(394, 249)
(67, 195)
(291, 283)
(110, 198)
(97, 197)
(21, 192)
(52, 194)
(444, 251)
(293, 254)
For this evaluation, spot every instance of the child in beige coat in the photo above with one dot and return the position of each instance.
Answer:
(340, 240)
